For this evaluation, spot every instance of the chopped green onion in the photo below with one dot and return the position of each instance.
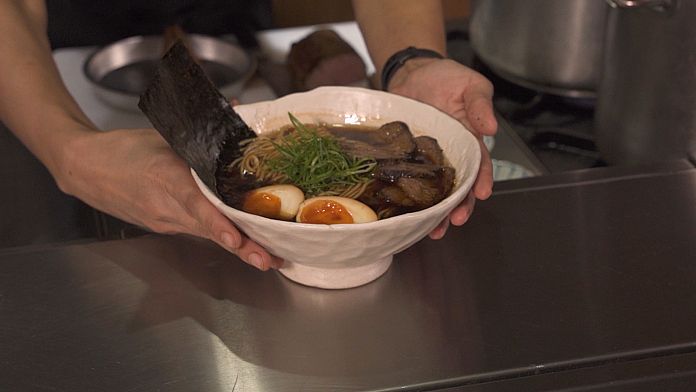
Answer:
(315, 162)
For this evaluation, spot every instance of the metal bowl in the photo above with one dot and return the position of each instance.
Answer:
(121, 71)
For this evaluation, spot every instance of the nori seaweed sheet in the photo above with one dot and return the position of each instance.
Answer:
(191, 114)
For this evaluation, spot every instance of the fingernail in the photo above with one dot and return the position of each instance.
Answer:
(229, 240)
(256, 260)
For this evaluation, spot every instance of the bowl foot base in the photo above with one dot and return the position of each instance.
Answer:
(335, 278)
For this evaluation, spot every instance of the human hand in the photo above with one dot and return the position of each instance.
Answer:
(465, 95)
(134, 175)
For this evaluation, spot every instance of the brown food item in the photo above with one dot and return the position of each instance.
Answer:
(393, 194)
(412, 186)
(392, 171)
(429, 151)
(391, 141)
(422, 193)
(323, 58)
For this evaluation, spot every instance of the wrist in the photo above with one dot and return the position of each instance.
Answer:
(46, 132)
(405, 60)
(64, 149)
(402, 74)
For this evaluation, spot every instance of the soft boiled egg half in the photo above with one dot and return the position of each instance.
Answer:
(274, 201)
(286, 202)
(331, 210)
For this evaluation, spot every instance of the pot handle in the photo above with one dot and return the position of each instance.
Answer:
(657, 5)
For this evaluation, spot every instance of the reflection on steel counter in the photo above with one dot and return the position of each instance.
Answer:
(32, 208)
(586, 272)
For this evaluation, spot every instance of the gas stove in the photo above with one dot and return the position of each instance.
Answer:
(557, 130)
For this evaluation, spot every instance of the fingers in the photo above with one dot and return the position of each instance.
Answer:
(222, 231)
(153, 188)
(483, 186)
(479, 112)
(457, 217)
(252, 253)
(212, 224)
(440, 230)
(462, 213)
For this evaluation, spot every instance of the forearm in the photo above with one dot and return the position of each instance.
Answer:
(391, 25)
(34, 102)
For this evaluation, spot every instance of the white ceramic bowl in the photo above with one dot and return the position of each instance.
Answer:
(350, 255)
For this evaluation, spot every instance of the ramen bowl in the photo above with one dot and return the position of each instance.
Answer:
(348, 255)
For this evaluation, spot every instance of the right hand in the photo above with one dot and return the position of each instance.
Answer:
(465, 95)
(135, 176)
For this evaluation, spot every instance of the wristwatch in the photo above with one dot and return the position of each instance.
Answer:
(398, 59)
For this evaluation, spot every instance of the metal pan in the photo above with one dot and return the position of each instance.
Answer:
(546, 45)
(121, 71)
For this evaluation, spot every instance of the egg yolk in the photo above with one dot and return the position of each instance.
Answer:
(264, 204)
(325, 211)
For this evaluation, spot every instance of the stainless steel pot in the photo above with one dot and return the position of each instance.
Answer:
(121, 71)
(646, 108)
(552, 46)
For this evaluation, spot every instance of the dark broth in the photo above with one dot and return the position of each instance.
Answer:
(232, 185)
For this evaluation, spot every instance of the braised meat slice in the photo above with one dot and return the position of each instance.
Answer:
(361, 149)
(426, 192)
(422, 192)
(392, 171)
(428, 150)
(412, 186)
(396, 133)
(447, 180)
(391, 141)
(411, 173)
(393, 194)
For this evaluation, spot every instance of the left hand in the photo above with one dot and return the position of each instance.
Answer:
(135, 176)
(465, 95)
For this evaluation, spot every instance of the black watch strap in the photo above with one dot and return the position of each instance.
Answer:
(398, 59)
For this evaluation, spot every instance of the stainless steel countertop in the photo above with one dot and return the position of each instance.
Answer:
(553, 274)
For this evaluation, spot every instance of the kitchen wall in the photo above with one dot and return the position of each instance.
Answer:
(288, 13)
